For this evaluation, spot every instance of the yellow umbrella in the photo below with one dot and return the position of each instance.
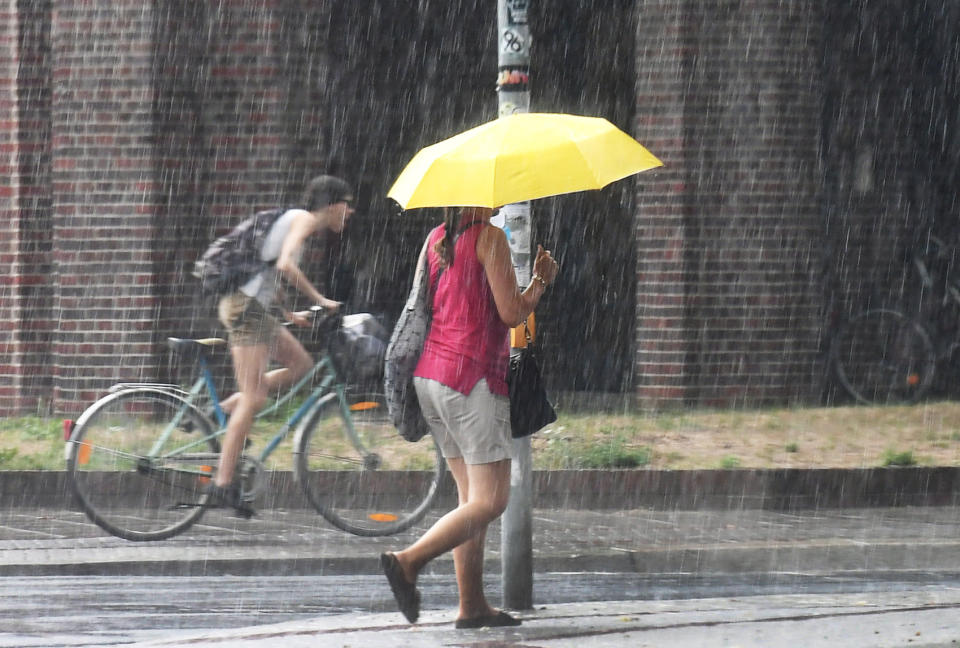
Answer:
(520, 157)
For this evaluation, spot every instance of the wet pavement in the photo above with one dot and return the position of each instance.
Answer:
(298, 541)
(757, 560)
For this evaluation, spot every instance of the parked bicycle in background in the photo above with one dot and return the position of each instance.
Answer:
(891, 354)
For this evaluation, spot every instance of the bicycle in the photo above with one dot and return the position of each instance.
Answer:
(138, 459)
(884, 356)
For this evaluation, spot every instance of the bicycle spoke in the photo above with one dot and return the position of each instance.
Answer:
(87, 448)
(129, 469)
(361, 475)
(337, 458)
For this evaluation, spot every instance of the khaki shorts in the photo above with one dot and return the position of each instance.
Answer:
(474, 427)
(246, 321)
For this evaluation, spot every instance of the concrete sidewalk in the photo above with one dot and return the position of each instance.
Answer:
(924, 618)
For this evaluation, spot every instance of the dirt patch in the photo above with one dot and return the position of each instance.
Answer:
(836, 437)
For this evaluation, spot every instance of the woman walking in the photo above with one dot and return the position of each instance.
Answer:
(461, 385)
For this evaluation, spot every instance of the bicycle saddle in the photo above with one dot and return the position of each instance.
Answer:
(191, 348)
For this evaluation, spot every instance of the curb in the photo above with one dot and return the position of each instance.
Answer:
(777, 489)
(827, 556)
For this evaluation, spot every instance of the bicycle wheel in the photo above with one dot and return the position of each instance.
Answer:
(374, 485)
(882, 357)
(137, 462)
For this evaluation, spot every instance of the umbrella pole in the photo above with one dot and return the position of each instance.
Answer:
(513, 96)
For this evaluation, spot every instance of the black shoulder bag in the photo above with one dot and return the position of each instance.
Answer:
(530, 409)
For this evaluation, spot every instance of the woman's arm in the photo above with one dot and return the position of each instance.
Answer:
(304, 224)
(513, 305)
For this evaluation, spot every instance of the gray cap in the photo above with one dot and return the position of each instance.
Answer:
(326, 190)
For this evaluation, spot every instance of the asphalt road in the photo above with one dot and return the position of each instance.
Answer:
(55, 611)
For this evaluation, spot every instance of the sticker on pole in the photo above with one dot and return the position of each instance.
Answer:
(517, 12)
(514, 41)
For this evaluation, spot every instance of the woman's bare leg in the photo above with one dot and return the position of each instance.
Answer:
(483, 490)
(468, 557)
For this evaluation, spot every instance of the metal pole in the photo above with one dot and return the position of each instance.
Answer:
(513, 90)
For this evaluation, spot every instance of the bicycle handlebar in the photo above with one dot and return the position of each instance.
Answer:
(315, 314)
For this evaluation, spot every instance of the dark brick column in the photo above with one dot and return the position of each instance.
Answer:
(172, 120)
(241, 107)
(105, 197)
(664, 341)
(25, 305)
(729, 233)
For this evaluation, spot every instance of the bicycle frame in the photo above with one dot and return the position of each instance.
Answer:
(328, 388)
(171, 453)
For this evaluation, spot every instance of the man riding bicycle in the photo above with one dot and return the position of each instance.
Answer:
(256, 336)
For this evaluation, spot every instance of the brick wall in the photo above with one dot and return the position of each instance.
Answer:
(728, 233)
(240, 112)
(9, 217)
(25, 225)
(136, 131)
(105, 198)
(169, 122)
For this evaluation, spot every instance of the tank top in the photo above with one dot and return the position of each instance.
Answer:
(467, 341)
(263, 285)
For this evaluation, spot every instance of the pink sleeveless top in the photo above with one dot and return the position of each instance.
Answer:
(467, 339)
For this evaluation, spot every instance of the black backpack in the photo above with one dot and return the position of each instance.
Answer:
(234, 258)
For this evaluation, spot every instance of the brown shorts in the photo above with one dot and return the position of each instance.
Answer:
(246, 320)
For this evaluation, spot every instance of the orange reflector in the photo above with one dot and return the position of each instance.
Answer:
(364, 405)
(383, 517)
(206, 469)
(83, 455)
(913, 379)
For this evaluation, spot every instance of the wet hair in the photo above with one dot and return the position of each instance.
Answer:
(444, 247)
(325, 190)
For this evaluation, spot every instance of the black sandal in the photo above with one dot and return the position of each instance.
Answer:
(499, 620)
(405, 592)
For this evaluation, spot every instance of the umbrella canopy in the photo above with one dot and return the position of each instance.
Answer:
(520, 157)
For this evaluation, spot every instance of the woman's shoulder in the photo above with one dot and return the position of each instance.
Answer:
(489, 238)
(435, 235)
